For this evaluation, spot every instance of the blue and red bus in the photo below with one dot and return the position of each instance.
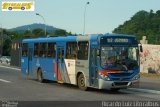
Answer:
(102, 61)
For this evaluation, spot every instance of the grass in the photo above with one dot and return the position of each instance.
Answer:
(150, 75)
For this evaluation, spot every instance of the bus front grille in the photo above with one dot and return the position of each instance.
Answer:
(120, 83)
(120, 79)
(121, 74)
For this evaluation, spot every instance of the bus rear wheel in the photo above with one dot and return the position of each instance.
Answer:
(81, 82)
(40, 76)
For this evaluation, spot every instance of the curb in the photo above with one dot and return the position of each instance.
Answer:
(144, 90)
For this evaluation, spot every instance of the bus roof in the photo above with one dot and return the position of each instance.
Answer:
(50, 39)
(74, 38)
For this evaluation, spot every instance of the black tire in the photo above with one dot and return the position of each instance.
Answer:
(9, 8)
(115, 89)
(22, 8)
(40, 76)
(81, 82)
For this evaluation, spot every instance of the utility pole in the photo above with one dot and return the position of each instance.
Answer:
(44, 23)
(85, 18)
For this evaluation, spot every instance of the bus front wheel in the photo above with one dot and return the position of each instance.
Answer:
(40, 76)
(81, 82)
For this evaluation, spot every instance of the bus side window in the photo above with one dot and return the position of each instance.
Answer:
(24, 49)
(82, 50)
(43, 50)
(36, 49)
(51, 50)
(71, 50)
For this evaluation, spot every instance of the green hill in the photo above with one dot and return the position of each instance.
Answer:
(22, 29)
(143, 23)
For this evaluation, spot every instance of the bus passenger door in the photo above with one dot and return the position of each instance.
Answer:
(30, 61)
(60, 60)
(94, 67)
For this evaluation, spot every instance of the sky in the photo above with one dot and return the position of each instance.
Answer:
(102, 16)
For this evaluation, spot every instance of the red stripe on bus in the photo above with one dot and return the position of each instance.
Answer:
(107, 72)
(57, 71)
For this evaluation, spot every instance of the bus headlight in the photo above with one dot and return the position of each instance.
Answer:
(136, 77)
(104, 77)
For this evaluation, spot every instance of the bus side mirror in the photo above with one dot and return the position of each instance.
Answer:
(141, 48)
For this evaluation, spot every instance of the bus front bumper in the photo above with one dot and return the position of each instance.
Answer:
(117, 84)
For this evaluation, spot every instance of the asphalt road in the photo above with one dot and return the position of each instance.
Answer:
(13, 87)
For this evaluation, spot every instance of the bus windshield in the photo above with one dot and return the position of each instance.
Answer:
(119, 58)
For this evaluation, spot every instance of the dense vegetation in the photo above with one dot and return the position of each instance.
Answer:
(9, 36)
(143, 23)
(35, 33)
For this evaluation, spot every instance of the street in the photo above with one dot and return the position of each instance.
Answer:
(150, 83)
(14, 87)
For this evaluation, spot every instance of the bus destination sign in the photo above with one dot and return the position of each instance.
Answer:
(118, 40)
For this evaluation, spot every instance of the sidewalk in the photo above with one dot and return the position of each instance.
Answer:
(150, 83)
(8, 65)
(145, 77)
(150, 79)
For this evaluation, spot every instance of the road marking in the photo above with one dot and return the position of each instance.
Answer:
(10, 68)
(5, 81)
(143, 90)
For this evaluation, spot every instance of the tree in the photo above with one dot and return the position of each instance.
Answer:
(143, 23)
(6, 47)
(38, 33)
(8, 36)
(28, 34)
(34, 33)
(60, 32)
